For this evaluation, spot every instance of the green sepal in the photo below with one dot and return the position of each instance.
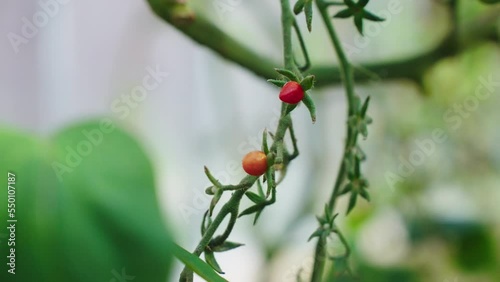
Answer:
(347, 188)
(363, 129)
(363, 193)
(317, 233)
(288, 74)
(358, 22)
(321, 220)
(364, 182)
(364, 108)
(257, 214)
(251, 210)
(308, 82)
(352, 202)
(359, 154)
(290, 108)
(278, 82)
(210, 259)
(308, 10)
(254, 197)
(308, 101)
(374, 18)
(328, 213)
(226, 246)
(298, 7)
(343, 14)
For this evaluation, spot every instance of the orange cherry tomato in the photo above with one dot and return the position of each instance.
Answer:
(255, 163)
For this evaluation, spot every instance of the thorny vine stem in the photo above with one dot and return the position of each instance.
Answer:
(285, 123)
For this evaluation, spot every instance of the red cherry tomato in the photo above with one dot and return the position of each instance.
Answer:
(292, 93)
(255, 163)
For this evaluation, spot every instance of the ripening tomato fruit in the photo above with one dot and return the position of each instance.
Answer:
(292, 93)
(255, 163)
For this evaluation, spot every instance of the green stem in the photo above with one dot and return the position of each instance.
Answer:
(287, 20)
(345, 243)
(228, 208)
(319, 260)
(346, 70)
(302, 43)
(232, 221)
(347, 76)
(294, 143)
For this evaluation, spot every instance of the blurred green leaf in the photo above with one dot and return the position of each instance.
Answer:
(376, 274)
(474, 248)
(196, 264)
(86, 207)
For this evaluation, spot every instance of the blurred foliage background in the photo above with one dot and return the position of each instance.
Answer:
(114, 212)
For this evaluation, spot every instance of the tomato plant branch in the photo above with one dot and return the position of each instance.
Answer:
(278, 159)
(221, 238)
(228, 208)
(232, 206)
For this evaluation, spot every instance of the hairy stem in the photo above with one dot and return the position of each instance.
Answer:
(347, 76)
(287, 21)
(232, 221)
